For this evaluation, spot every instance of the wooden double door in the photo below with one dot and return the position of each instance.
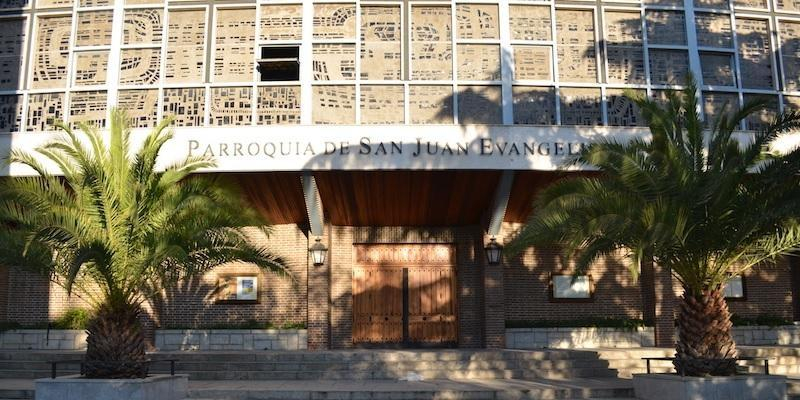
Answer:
(405, 295)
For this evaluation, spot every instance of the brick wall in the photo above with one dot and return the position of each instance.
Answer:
(3, 292)
(36, 300)
(33, 299)
(768, 290)
(319, 294)
(282, 300)
(527, 289)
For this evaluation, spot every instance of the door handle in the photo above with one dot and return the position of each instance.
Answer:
(424, 318)
(386, 318)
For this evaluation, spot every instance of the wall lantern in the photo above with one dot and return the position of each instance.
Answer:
(493, 252)
(318, 252)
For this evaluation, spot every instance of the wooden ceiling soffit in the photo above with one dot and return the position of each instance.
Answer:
(278, 196)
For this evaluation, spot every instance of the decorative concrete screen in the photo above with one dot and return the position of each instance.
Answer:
(393, 63)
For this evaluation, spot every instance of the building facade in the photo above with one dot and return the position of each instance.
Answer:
(402, 134)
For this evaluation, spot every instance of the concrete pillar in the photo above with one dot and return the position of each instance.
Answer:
(494, 323)
(319, 298)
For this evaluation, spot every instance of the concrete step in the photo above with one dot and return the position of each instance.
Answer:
(514, 390)
(340, 365)
(15, 394)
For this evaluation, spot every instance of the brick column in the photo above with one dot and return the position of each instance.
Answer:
(494, 323)
(318, 292)
(3, 293)
(341, 287)
(794, 269)
(647, 284)
(665, 301)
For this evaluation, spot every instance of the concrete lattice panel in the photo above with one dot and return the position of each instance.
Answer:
(141, 106)
(621, 111)
(580, 106)
(140, 66)
(430, 104)
(530, 22)
(94, 28)
(790, 53)
(478, 21)
(186, 40)
(480, 105)
(718, 69)
(381, 43)
(334, 62)
(666, 27)
(54, 3)
(51, 52)
(11, 112)
(755, 56)
(143, 26)
(43, 108)
(236, 33)
(12, 44)
(281, 22)
(382, 104)
(712, 4)
(668, 67)
(533, 62)
(231, 106)
(714, 30)
(88, 107)
(90, 67)
(13, 4)
(335, 21)
(478, 62)
(278, 105)
(534, 105)
(762, 118)
(431, 43)
(715, 103)
(186, 105)
(577, 56)
(334, 104)
(624, 50)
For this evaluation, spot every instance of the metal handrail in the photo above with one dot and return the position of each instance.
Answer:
(737, 359)
(54, 365)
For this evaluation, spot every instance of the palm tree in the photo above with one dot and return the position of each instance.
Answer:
(122, 231)
(706, 203)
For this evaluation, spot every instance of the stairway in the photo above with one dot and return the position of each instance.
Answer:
(339, 365)
(446, 374)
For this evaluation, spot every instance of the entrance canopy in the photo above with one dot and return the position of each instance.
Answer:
(394, 198)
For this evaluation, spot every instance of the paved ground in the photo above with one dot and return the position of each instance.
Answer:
(383, 385)
(393, 385)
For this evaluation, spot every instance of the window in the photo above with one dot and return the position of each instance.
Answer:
(571, 287)
(279, 63)
(734, 289)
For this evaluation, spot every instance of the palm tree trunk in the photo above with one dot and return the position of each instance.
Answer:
(116, 343)
(705, 342)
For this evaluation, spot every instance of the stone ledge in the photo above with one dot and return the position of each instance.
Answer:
(75, 387)
(739, 387)
(786, 335)
(578, 338)
(231, 340)
(38, 339)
